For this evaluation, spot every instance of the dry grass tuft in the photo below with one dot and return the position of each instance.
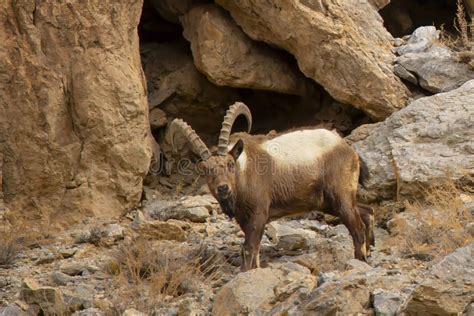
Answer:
(148, 274)
(94, 236)
(463, 42)
(9, 248)
(434, 227)
(17, 235)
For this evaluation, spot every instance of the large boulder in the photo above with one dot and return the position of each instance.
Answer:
(426, 61)
(431, 139)
(228, 57)
(342, 45)
(254, 291)
(447, 289)
(73, 111)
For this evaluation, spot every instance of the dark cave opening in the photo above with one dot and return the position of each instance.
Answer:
(402, 17)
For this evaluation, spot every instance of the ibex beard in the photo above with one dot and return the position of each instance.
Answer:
(259, 178)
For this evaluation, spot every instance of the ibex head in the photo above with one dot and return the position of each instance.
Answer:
(219, 168)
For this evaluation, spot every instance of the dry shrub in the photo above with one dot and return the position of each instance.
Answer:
(17, 235)
(435, 226)
(93, 236)
(463, 42)
(10, 246)
(148, 274)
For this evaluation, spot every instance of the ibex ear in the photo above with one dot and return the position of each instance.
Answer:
(237, 149)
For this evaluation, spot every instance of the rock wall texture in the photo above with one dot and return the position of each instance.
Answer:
(429, 140)
(342, 45)
(228, 57)
(73, 110)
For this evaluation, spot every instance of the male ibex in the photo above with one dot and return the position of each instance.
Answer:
(263, 177)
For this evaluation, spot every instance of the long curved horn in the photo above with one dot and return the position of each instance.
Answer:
(198, 146)
(231, 115)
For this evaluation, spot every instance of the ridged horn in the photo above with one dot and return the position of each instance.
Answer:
(231, 115)
(198, 146)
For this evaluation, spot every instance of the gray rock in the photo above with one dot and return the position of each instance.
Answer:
(437, 70)
(289, 238)
(60, 278)
(329, 254)
(11, 310)
(470, 228)
(386, 303)
(193, 208)
(89, 312)
(398, 42)
(428, 140)
(421, 40)
(424, 60)
(348, 293)
(403, 73)
(447, 288)
(469, 310)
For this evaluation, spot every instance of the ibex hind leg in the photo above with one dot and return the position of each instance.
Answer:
(368, 217)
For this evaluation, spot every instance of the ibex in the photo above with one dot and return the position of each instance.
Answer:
(259, 178)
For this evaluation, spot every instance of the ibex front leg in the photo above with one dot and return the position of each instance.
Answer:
(253, 231)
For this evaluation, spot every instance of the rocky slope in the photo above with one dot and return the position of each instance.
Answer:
(180, 256)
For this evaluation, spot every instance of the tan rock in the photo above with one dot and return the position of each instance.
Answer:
(157, 118)
(342, 45)
(73, 113)
(228, 57)
(254, 291)
(49, 299)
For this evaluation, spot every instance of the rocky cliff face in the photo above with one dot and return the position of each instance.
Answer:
(73, 123)
(342, 45)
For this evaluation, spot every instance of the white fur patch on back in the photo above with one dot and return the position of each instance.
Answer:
(300, 147)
